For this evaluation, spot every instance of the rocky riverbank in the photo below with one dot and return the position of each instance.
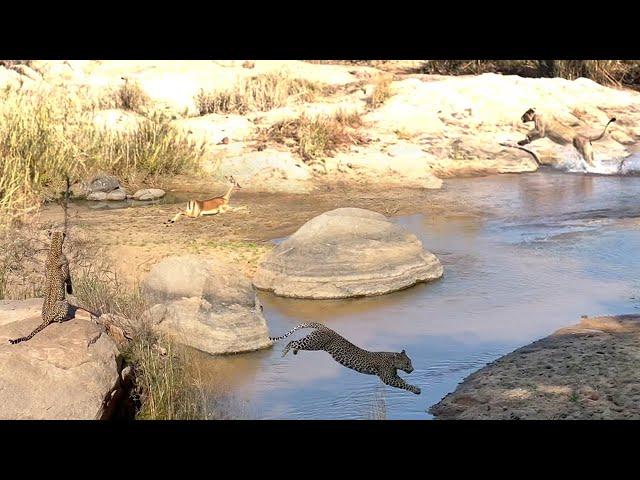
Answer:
(586, 371)
(378, 128)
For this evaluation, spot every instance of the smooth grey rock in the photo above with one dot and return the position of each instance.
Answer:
(97, 196)
(103, 183)
(206, 304)
(347, 252)
(149, 194)
(118, 194)
(66, 371)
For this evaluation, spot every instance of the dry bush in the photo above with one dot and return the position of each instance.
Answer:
(153, 150)
(44, 137)
(165, 386)
(35, 154)
(257, 93)
(11, 64)
(317, 137)
(130, 96)
(21, 264)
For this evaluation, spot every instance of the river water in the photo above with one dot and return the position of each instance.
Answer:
(537, 251)
(540, 250)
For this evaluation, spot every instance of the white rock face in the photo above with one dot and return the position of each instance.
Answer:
(461, 121)
(117, 121)
(211, 129)
(206, 304)
(66, 371)
(267, 170)
(347, 252)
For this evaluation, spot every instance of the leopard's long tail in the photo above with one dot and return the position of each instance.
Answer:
(598, 137)
(297, 327)
(30, 336)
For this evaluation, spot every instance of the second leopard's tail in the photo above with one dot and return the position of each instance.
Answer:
(297, 327)
(39, 328)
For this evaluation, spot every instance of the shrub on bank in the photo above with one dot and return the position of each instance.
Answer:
(257, 93)
(44, 137)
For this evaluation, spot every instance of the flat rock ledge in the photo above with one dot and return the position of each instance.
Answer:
(206, 304)
(586, 371)
(347, 252)
(68, 371)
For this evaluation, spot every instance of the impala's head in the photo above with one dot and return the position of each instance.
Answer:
(528, 115)
(402, 362)
(232, 181)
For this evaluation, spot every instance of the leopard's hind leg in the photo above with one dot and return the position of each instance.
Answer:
(316, 340)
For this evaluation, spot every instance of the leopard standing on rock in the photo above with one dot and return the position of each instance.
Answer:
(383, 364)
(57, 283)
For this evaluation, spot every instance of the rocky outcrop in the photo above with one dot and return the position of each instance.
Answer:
(267, 170)
(69, 370)
(587, 371)
(206, 304)
(103, 183)
(459, 122)
(431, 127)
(102, 188)
(347, 252)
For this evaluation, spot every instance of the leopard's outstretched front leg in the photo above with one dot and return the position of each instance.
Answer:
(392, 379)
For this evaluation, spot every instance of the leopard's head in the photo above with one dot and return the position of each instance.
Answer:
(528, 116)
(402, 362)
(57, 238)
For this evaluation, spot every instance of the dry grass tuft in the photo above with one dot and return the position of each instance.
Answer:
(153, 150)
(166, 388)
(319, 137)
(44, 137)
(258, 93)
(130, 96)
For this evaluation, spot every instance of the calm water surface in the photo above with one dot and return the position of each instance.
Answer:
(537, 251)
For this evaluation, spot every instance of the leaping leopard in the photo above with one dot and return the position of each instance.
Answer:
(383, 364)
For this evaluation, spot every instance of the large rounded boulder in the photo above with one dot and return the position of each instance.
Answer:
(207, 304)
(347, 252)
(68, 371)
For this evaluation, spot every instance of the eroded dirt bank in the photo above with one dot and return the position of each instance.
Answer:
(586, 371)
